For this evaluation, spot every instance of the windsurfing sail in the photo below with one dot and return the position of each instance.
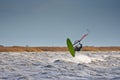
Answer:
(78, 41)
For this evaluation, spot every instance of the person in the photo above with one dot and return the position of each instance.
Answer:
(78, 47)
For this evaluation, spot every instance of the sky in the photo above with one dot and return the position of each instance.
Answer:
(51, 22)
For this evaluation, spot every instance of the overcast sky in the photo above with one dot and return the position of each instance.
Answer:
(50, 22)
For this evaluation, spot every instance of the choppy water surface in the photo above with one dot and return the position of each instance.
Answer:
(59, 66)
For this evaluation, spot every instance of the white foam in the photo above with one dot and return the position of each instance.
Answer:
(83, 58)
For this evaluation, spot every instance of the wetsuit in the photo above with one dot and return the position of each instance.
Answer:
(78, 47)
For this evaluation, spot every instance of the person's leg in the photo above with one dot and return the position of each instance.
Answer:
(77, 48)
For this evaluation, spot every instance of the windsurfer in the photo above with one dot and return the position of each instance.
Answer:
(78, 47)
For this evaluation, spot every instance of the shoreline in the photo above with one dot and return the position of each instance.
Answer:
(50, 48)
